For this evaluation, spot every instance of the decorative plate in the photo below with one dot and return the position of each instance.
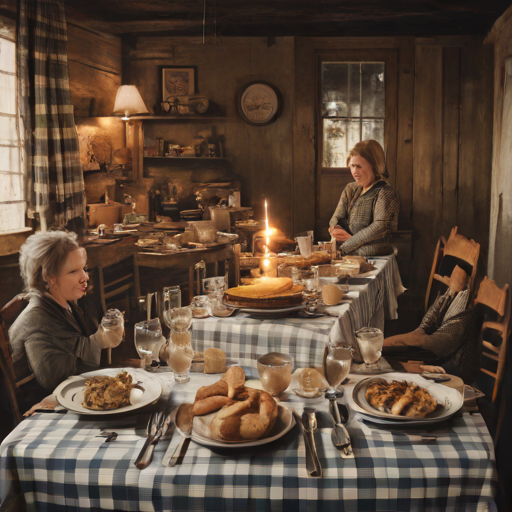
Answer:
(258, 103)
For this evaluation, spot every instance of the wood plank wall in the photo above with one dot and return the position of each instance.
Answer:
(440, 159)
(453, 113)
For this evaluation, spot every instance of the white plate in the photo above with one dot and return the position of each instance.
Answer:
(284, 423)
(272, 312)
(70, 393)
(449, 400)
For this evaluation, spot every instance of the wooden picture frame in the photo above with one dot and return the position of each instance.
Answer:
(178, 81)
(259, 103)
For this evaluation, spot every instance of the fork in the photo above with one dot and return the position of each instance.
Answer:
(153, 425)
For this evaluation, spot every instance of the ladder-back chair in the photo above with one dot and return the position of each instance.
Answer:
(457, 250)
(498, 299)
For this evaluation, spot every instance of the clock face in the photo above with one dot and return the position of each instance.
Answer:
(258, 104)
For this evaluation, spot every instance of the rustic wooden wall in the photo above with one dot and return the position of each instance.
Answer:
(440, 156)
(500, 244)
(261, 157)
(94, 60)
(452, 146)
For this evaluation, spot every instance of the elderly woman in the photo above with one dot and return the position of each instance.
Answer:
(367, 212)
(52, 337)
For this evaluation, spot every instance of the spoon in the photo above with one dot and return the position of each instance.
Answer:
(339, 434)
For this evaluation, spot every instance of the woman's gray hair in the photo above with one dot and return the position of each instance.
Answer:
(43, 255)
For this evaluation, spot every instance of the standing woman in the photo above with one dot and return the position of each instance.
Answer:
(52, 338)
(367, 213)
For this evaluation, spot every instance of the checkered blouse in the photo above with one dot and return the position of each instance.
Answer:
(370, 218)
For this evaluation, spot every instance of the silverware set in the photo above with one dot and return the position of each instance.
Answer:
(158, 425)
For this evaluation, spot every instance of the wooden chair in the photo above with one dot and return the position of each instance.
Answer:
(464, 252)
(12, 382)
(116, 282)
(498, 299)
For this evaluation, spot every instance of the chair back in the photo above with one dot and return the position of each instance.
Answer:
(457, 250)
(8, 315)
(498, 299)
(117, 283)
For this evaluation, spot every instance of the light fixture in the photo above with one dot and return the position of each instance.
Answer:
(129, 101)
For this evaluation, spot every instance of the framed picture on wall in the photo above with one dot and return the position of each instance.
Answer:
(178, 81)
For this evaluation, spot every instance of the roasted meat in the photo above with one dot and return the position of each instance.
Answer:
(104, 393)
(400, 398)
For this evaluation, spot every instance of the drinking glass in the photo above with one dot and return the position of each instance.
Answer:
(180, 356)
(370, 341)
(171, 296)
(337, 365)
(200, 306)
(148, 338)
(275, 372)
(180, 343)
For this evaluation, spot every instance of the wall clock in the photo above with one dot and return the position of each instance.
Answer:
(259, 103)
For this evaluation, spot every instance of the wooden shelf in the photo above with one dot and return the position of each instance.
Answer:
(178, 118)
(186, 157)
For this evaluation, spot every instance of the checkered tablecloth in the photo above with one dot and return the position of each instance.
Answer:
(58, 464)
(246, 338)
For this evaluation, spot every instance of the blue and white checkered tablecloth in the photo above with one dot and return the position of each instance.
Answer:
(59, 464)
(246, 338)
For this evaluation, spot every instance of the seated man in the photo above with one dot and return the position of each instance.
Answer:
(442, 330)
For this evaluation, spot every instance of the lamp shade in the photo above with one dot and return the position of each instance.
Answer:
(129, 101)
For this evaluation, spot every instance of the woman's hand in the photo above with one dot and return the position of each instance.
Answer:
(340, 234)
(50, 402)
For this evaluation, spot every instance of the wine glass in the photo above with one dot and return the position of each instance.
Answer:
(370, 341)
(148, 338)
(337, 365)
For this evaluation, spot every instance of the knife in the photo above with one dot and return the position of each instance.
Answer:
(159, 424)
(184, 419)
(309, 425)
(310, 465)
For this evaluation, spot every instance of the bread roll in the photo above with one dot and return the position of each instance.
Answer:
(210, 404)
(214, 360)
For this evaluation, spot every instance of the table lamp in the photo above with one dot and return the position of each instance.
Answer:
(129, 102)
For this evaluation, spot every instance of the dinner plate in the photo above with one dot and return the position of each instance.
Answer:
(272, 312)
(200, 431)
(449, 400)
(70, 393)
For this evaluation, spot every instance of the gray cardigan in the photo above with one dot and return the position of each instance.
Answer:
(53, 341)
(370, 218)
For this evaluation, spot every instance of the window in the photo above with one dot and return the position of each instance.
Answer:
(352, 108)
(12, 197)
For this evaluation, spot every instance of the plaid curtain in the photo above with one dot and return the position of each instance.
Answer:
(54, 175)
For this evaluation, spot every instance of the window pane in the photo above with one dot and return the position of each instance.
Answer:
(13, 216)
(9, 159)
(7, 56)
(373, 129)
(339, 137)
(11, 188)
(334, 89)
(8, 133)
(7, 94)
(354, 90)
(373, 89)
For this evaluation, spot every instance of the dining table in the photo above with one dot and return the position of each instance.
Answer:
(371, 299)
(56, 461)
